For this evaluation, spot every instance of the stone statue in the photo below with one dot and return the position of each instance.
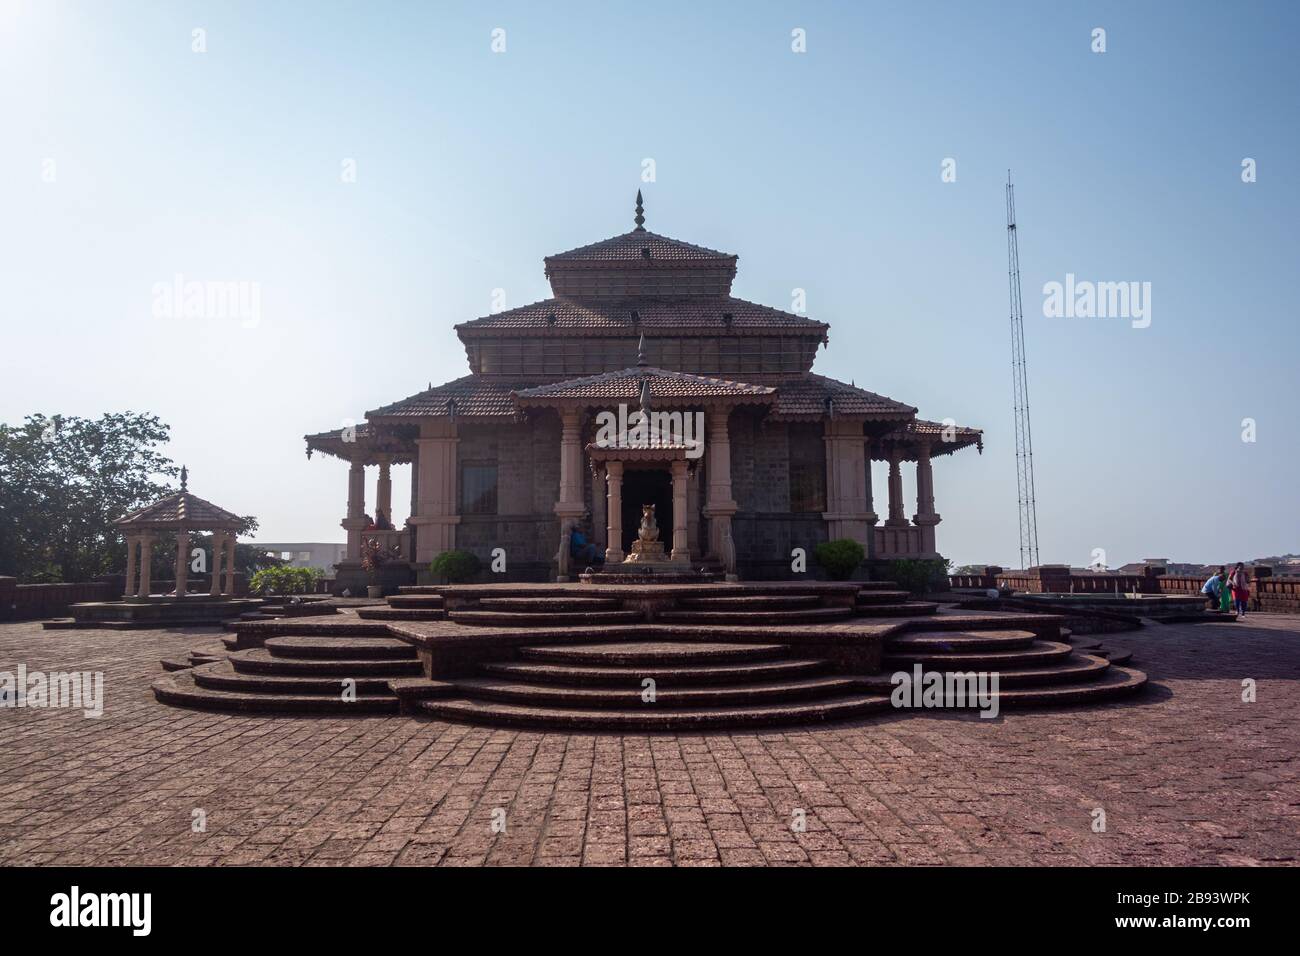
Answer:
(647, 547)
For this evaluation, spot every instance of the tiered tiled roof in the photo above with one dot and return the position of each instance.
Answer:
(474, 398)
(364, 442)
(807, 397)
(625, 385)
(180, 510)
(920, 429)
(638, 245)
(720, 315)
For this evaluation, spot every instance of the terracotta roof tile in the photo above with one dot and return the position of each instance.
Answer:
(181, 508)
(806, 397)
(693, 316)
(961, 436)
(475, 398)
(633, 246)
(625, 384)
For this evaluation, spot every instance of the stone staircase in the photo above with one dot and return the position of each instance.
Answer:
(610, 658)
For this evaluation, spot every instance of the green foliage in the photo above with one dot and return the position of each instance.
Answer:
(284, 579)
(920, 575)
(456, 565)
(64, 480)
(840, 557)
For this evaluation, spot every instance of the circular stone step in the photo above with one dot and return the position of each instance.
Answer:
(907, 609)
(180, 690)
(667, 674)
(223, 676)
(615, 721)
(401, 614)
(959, 641)
(536, 604)
(544, 618)
(643, 653)
(424, 601)
(883, 596)
(1040, 652)
(358, 648)
(755, 602)
(259, 661)
(810, 615)
(670, 698)
(1080, 667)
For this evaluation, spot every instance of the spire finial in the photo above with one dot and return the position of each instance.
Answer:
(640, 352)
(640, 213)
(185, 478)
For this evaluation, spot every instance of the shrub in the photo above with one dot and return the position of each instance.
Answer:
(920, 575)
(456, 565)
(283, 579)
(840, 557)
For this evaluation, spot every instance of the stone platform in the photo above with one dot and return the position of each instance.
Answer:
(159, 611)
(639, 658)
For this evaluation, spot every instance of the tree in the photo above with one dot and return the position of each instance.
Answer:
(64, 480)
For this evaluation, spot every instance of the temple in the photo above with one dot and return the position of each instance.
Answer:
(512, 455)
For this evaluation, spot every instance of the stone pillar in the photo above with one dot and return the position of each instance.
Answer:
(146, 565)
(356, 516)
(230, 564)
(218, 546)
(614, 512)
(848, 483)
(436, 513)
(681, 547)
(384, 491)
(598, 509)
(182, 563)
(896, 518)
(926, 517)
(719, 506)
(132, 556)
(570, 504)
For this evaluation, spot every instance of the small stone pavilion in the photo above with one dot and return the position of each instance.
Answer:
(511, 455)
(178, 514)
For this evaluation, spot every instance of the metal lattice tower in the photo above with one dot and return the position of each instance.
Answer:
(1020, 391)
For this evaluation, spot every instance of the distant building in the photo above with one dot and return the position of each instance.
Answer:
(313, 554)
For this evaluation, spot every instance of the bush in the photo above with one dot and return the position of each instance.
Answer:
(456, 565)
(920, 575)
(284, 579)
(840, 557)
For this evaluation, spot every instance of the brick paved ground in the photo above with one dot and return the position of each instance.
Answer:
(1186, 774)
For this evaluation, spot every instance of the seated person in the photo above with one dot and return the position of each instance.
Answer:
(582, 549)
(382, 522)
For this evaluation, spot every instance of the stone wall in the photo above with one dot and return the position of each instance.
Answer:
(764, 528)
(527, 457)
(27, 601)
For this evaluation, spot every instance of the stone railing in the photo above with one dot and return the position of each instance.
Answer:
(902, 542)
(398, 541)
(28, 601)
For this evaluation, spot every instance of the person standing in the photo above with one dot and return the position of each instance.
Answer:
(1240, 589)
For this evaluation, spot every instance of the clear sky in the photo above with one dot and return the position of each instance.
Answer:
(130, 158)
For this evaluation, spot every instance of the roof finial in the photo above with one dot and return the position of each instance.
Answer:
(185, 478)
(640, 352)
(640, 213)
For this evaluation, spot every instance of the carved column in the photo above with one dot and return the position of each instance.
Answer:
(719, 506)
(356, 516)
(681, 547)
(570, 504)
(218, 546)
(598, 508)
(926, 517)
(146, 565)
(614, 512)
(384, 491)
(230, 564)
(896, 517)
(437, 513)
(132, 556)
(848, 482)
(182, 563)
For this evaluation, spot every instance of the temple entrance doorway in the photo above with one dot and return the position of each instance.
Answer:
(647, 486)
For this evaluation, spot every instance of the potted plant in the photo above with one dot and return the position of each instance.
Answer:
(373, 558)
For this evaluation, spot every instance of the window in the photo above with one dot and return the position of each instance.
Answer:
(478, 490)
